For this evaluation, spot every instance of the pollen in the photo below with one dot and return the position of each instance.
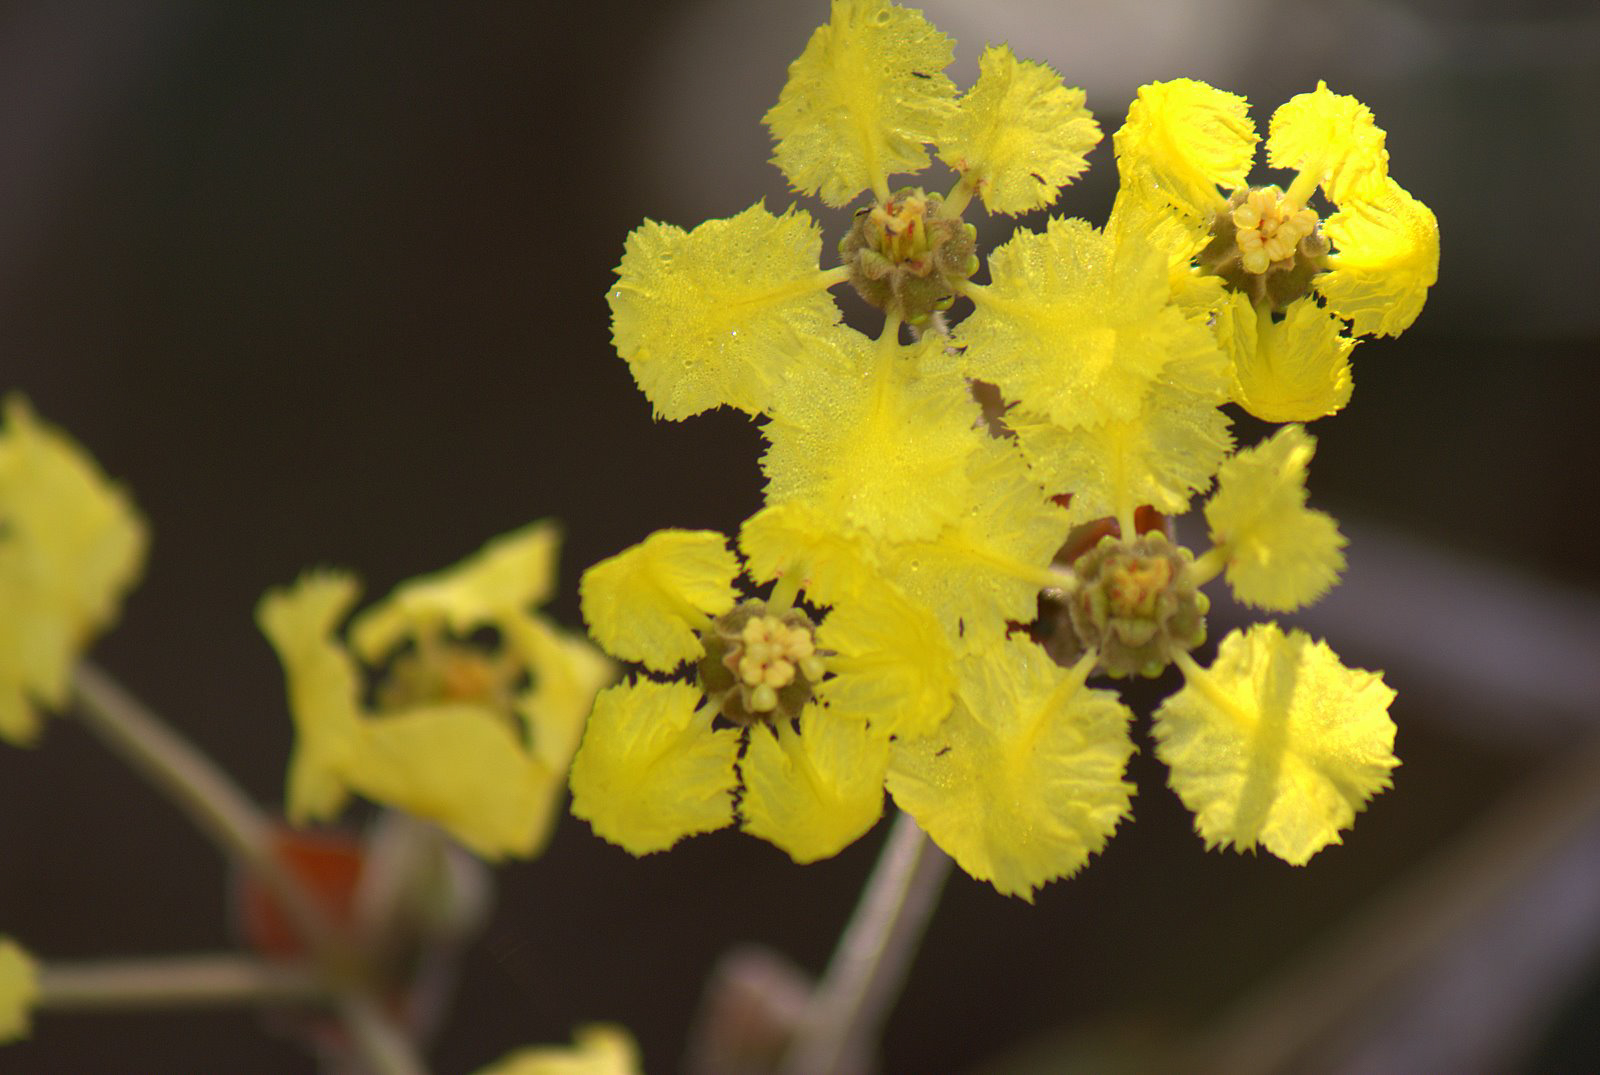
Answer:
(1267, 232)
(773, 652)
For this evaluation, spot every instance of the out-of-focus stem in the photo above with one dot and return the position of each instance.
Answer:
(868, 969)
(174, 981)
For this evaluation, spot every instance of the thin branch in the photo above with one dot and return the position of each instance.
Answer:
(217, 980)
(847, 1011)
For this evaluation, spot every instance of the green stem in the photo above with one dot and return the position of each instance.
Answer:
(177, 981)
(846, 1012)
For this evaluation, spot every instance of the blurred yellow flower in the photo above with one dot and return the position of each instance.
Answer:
(19, 990)
(71, 545)
(421, 713)
(596, 1050)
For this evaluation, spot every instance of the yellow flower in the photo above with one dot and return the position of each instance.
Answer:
(596, 1050)
(19, 990)
(1025, 779)
(473, 736)
(797, 715)
(71, 545)
(1277, 743)
(1372, 261)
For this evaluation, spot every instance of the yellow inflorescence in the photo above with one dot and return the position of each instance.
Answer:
(928, 525)
(1269, 231)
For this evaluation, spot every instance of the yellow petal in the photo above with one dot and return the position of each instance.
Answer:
(324, 689)
(796, 538)
(1280, 554)
(1293, 370)
(1076, 328)
(862, 100)
(702, 316)
(1386, 257)
(645, 603)
(596, 1050)
(1186, 139)
(567, 672)
(651, 770)
(507, 576)
(463, 767)
(1025, 780)
(1020, 135)
(1277, 744)
(1331, 136)
(892, 666)
(19, 990)
(71, 545)
(815, 791)
(1161, 457)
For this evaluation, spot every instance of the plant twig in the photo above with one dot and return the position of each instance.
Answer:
(868, 968)
(174, 981)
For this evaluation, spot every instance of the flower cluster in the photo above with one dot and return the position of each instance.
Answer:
(923, 531)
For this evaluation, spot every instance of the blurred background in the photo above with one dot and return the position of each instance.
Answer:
(324, 285)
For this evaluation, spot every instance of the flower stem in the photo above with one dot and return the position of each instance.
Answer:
(846, 1012)
(174, 981)
(203, 791)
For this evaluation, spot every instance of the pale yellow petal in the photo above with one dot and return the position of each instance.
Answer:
(1280, 554)
(1185, 139)
(567, 672)
(1277, 744)
(651, 770)
(71, 546)
(1386, 258)
(702, 317)
(19, 990)
(796, 538)
(510, 574)
(1025, 780)
(862, 101)
(463, 767)
(1293, 370)
(892, 665)
(1329, 135)
(596, 1050)
(815, 791)
(1020, 135)
(324, 689)
(645, 603)
(1077, 328)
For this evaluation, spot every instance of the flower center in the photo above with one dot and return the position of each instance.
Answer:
(442, 671)
(905, 256)
(1266, 231)
(1137, 604)
(760, 667)
(1265, 249)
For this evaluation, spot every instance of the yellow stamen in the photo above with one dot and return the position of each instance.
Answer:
(1268, 230)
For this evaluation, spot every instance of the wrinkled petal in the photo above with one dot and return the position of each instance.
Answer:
(1293, 370)
(1185, 139)
(816, 791)
(891, 663)
(651, 770)
(645, 603)
(508, 575)
(1019, 135)
(1280, 554)
(1386, 258)
(567, 673)
(862, 100)
(1025, 780)
(1277, 744)
(1331, 136)
(702, 317)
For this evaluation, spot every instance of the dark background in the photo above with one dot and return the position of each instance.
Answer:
(325, 286)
